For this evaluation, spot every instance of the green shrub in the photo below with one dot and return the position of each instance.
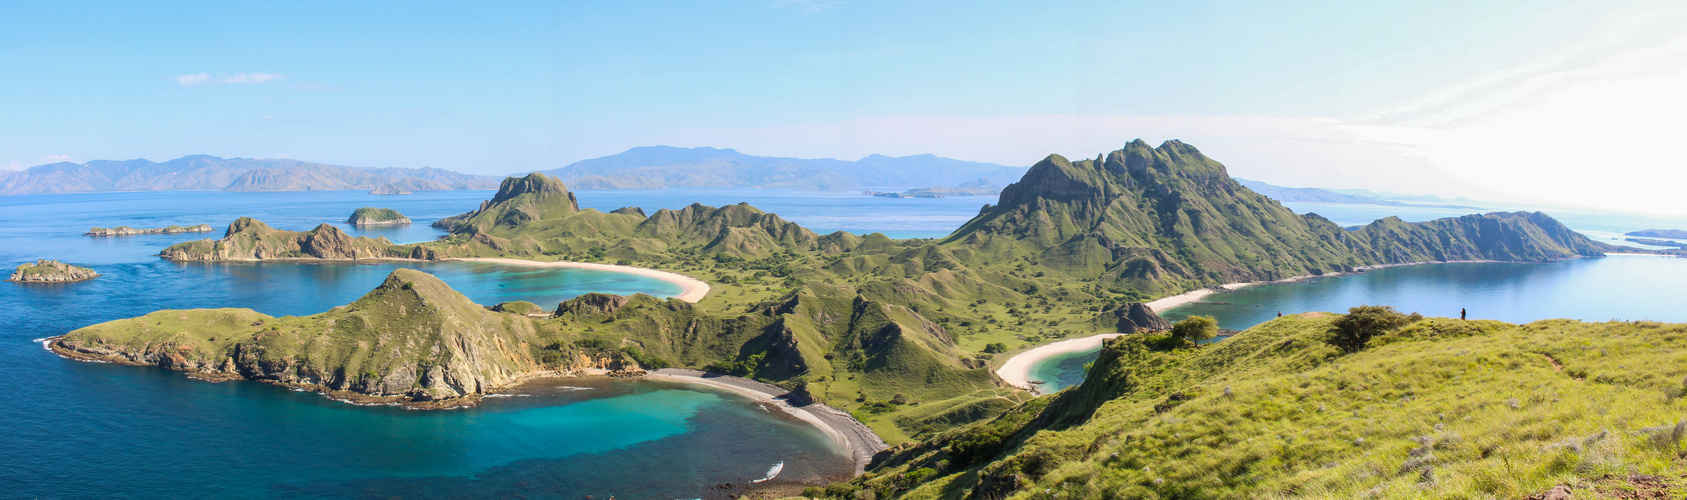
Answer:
(995, 348)
(1362, 323)
(1196, 328)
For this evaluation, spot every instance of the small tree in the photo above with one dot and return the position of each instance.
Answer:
(1196, 328)
(1362, 323)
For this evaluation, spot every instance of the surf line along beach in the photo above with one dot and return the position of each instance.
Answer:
(857, 441)
(691, 289)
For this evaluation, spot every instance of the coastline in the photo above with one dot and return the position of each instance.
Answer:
(1017, 370)
(691, 289)
(1163, 304)
(857, 441)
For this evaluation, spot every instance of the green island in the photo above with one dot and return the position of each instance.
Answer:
(51, 271)
(369, 216)
(904, 335)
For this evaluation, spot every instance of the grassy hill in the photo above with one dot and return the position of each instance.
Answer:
(896, 330)
(1437, 409)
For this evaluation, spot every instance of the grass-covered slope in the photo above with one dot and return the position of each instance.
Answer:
(372, 215)
(1438, 409)
(1164, 220)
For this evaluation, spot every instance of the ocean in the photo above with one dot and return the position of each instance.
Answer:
(74, 430)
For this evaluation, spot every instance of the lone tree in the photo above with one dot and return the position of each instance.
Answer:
(1352, 331)
(1196, 328)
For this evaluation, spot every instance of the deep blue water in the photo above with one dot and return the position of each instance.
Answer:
(77, 430)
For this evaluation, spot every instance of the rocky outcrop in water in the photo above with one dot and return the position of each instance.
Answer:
(129, 231)
(248, 239)
(51, 271)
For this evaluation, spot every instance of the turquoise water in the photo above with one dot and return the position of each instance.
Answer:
(79, 430)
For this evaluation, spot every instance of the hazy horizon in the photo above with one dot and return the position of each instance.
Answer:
(1568, 103)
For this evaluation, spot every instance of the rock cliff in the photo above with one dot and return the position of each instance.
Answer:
(51, 271)
(247, 239)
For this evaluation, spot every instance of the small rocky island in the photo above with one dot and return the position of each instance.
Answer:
(51, 271)
(389, 189)
(370, 216)
(129, 231)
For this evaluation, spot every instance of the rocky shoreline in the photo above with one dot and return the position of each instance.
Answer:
(228, 372)
(51, 271)
(371, 216)
(129, 231)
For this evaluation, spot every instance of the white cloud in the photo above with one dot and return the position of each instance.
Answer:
(54, 158)
(252, 78)
(15, 166)
(197, 79)
(193, 79)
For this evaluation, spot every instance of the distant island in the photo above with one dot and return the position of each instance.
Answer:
(1659, 243)
(905, 334)
(658, 167)
(371, 216)
(389, 189)
(51, 271)
(227, 174)
(129, 231)
(981, 187)
(1659, 233)
(1316, 195)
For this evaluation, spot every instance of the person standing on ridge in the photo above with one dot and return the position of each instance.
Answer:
(1461, 314)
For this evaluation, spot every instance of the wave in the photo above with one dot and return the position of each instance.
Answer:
(771, 472)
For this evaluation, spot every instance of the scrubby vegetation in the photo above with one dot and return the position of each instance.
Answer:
(902, 332)
(1436, 408)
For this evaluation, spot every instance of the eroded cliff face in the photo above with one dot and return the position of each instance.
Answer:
(51, 271)
(248, 239)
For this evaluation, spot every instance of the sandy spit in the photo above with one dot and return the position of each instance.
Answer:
(1016, 372)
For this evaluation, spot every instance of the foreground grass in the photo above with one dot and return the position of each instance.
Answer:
(1439, 409)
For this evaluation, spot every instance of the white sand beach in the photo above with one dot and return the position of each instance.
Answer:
(1016, 372)
(691, 289)
(854, 438)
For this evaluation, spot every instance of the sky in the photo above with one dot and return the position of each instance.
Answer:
(1556, 102)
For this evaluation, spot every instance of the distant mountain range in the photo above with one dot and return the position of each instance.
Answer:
(1357, 196)
(637, 168)
(228, 174)
(671, 167)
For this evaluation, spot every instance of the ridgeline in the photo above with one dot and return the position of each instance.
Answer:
(894, 331)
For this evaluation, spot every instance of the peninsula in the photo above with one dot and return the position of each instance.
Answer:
(892, 331)
(51, 271)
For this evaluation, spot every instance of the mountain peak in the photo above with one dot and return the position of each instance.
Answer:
(535, 183)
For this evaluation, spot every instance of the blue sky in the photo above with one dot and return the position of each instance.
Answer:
(1415, 96)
